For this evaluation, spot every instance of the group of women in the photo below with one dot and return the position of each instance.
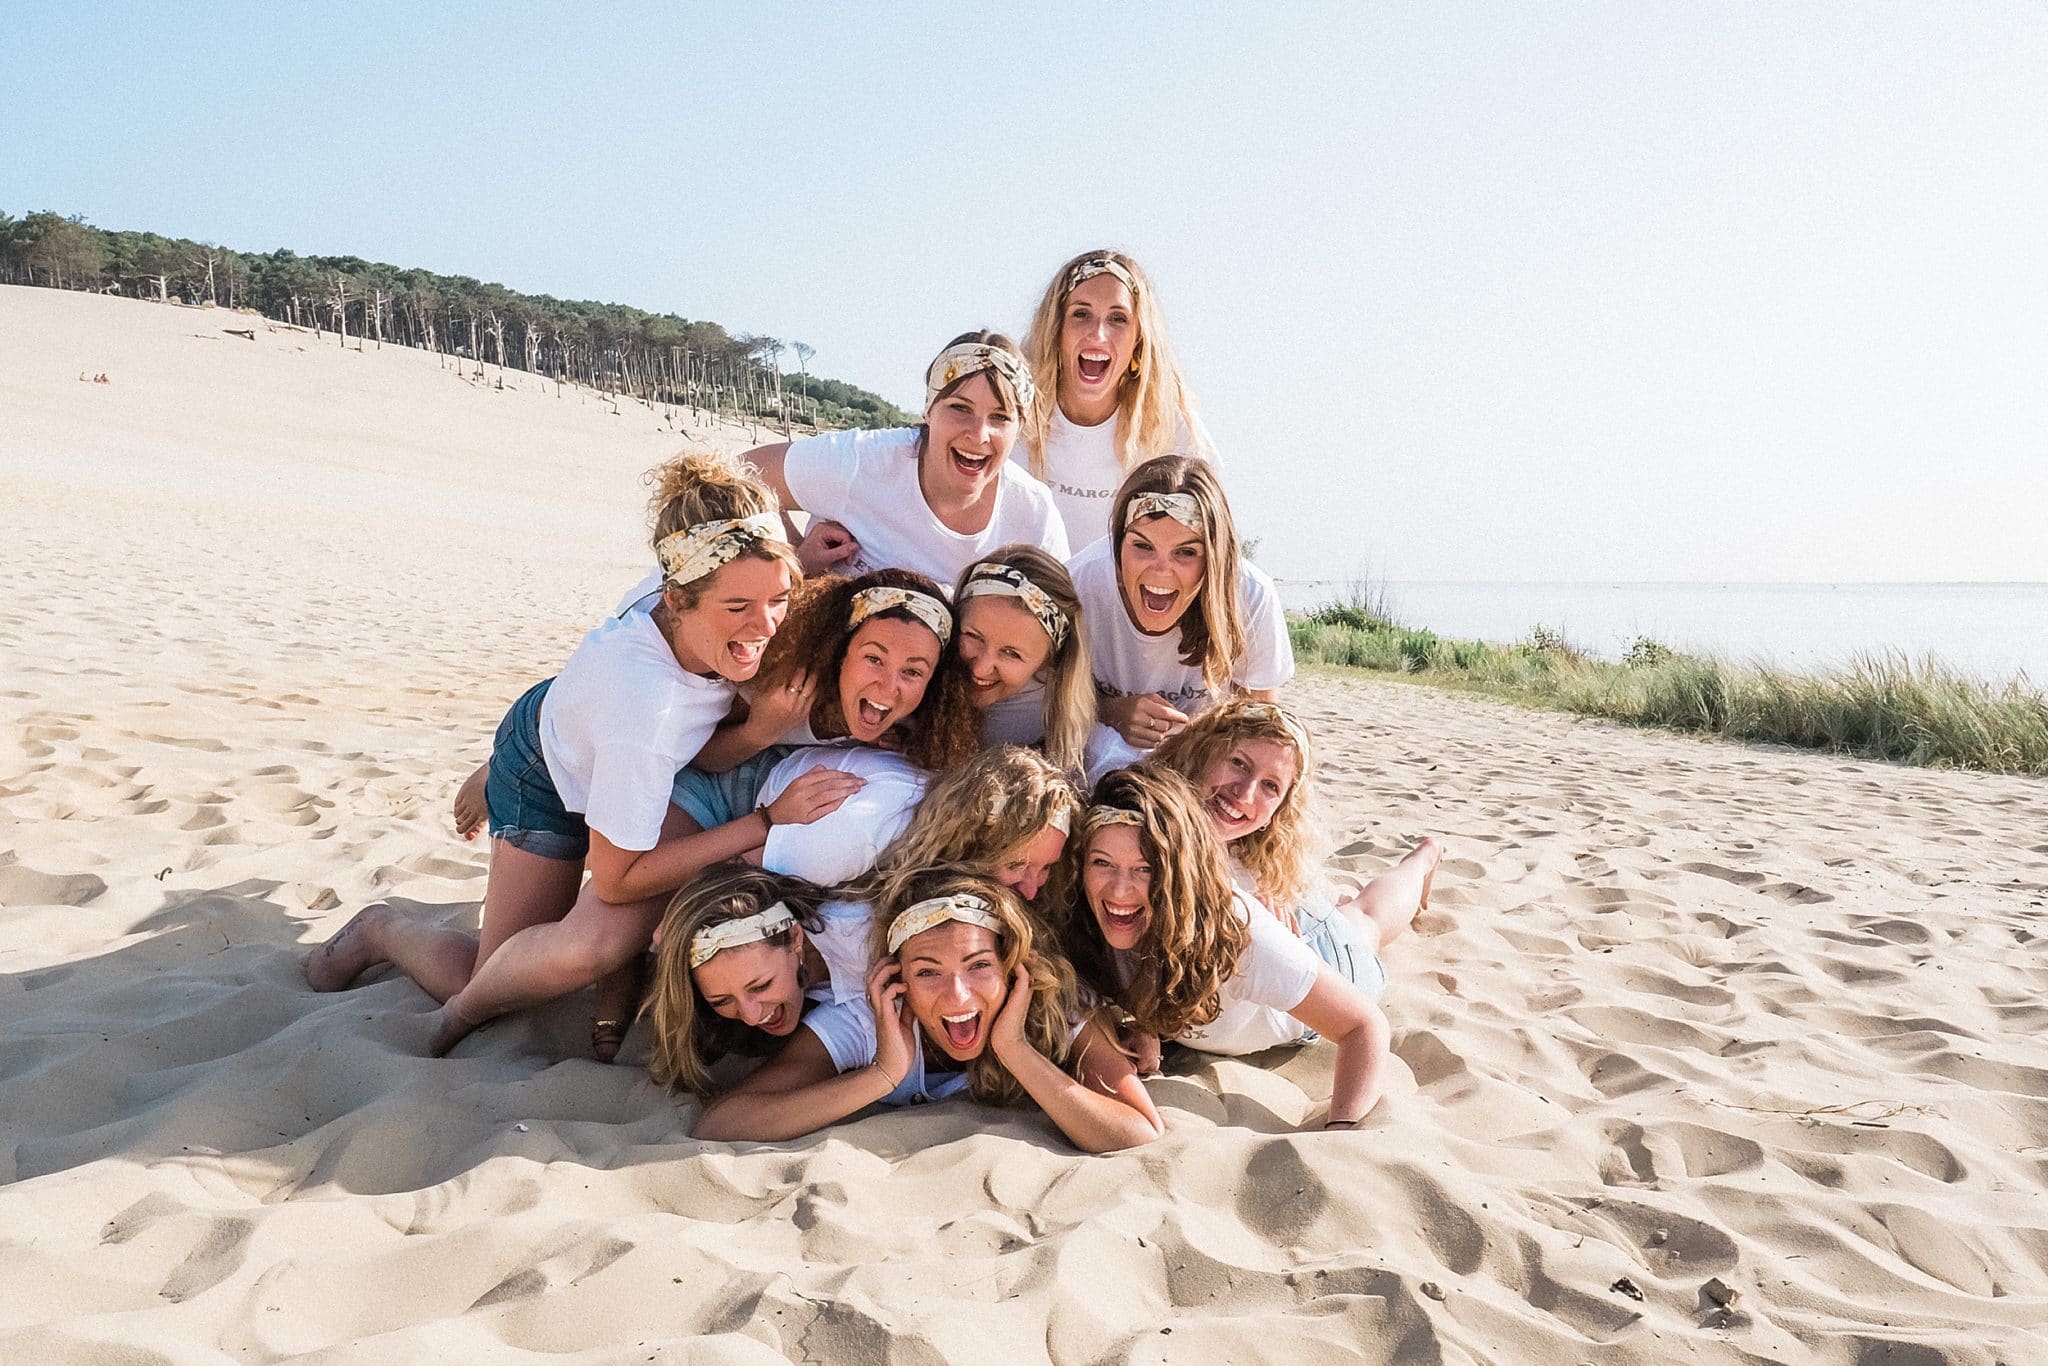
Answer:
(978, 781)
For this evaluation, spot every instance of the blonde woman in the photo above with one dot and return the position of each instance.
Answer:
(963, 997)
(580, 772)
(1177, 619)
(742, 954)
(935, 497)
(1006, 814)
(1109, 393)
(1252, 764)
(1152, 921)
(1024, 647)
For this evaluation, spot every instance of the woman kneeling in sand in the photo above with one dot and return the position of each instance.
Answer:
(962, 998)
(582, 766)
(1152, 922)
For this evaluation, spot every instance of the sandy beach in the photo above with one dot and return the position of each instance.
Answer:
(1707, 1053)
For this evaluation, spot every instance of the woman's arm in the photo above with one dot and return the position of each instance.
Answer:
(756, 723)
(623, 875)
(769, 461)
(1340, 1013)
(1103, 1109)
(825, 545)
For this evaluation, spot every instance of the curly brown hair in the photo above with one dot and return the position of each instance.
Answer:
(945, 728)
(1195, 937)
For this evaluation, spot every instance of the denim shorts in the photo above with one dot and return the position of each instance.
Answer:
(1335, 938)
(526, 811)
(715, 799)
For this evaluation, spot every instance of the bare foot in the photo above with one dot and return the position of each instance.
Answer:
(471, 810)
(451, 1028)
(352, 952)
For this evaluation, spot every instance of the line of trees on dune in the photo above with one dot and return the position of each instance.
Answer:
(656, 357)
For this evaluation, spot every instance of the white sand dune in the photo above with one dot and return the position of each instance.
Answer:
(1682, 1014)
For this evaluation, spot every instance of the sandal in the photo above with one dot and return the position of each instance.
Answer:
(606, 1036)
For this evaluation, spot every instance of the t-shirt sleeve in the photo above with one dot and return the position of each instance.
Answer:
(1276, 969)
(847, 1029)
(820, 471)
(629, 791)
(1268, 654)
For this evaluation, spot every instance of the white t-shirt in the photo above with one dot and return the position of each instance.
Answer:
(847, 1029)
(867, 481)
(619, 722)
(1083, 472)
(843, 844)
(1274, 974)
(843, 941)
(1018, 720)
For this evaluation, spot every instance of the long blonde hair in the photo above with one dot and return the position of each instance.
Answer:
(979, 814)
(704, 486)
(1069, 678)
(1285, 856)
(1212, 629)
(1055, 998)
(1153, 401)
(688, 1033)
(1195, 937)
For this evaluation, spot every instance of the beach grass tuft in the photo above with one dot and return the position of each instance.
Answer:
(1888, 706)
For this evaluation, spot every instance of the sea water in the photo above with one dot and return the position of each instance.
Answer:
(1996, 631)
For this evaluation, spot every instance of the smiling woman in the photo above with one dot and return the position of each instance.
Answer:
(933, 498)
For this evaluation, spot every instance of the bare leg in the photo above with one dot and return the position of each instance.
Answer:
(471, 811)
(1388, 904)
(547, 961)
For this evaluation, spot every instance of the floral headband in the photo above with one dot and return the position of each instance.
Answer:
(1266, 711)
(688, 555)
(957, 362)
(712, 940)
(1100, 816)
(1088, 267)
(1003, 581)
(1182, 507)
(965, 907)
(923, 606)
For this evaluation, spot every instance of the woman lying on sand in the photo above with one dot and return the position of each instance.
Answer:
(962, 998)
(1177, 619)
(1252, 765)
(1025, 649)
(582, 766)
(1152, 922)
(935, 497)
(1110, 395)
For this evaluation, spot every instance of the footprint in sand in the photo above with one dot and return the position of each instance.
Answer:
(24, 886)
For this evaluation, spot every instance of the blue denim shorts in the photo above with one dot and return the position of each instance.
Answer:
(1335, 938)
(714, 799)
(526, 811)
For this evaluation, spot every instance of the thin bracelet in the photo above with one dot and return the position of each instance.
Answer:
(893, 1082)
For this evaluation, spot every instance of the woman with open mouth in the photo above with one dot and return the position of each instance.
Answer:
(741, 954)
(935, 497)
(962, 998)
(1025, 653)
(1004, 814)
(1177, 619)
(1151, 921)
(1109, 392)
(1252, 765)
(580, 773)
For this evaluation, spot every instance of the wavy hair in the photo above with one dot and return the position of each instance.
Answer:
(1212, 629)
(1284, 857)
(945, 727)
(1055, 997)
(977, 815)
(1151, 404)
(704, 486)
(1069, 677)
(1195, 938)
(688, 1033)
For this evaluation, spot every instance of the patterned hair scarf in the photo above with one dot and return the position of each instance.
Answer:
(957, 362)
(1099, 816)
(1003, 581)
(964, 907)
(1266, 711)
(1182, 507)
(923, 606)
(688, 555)
(1088, 267)
(712, 940)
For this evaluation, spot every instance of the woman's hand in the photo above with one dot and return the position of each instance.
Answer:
(817, 793)
(774, 712)
(826, 547)
(1140, 1047)
(895, 1044)
(1150, 719)
(1007, 1033)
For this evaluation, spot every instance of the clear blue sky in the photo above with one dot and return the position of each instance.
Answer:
(1633, 290)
